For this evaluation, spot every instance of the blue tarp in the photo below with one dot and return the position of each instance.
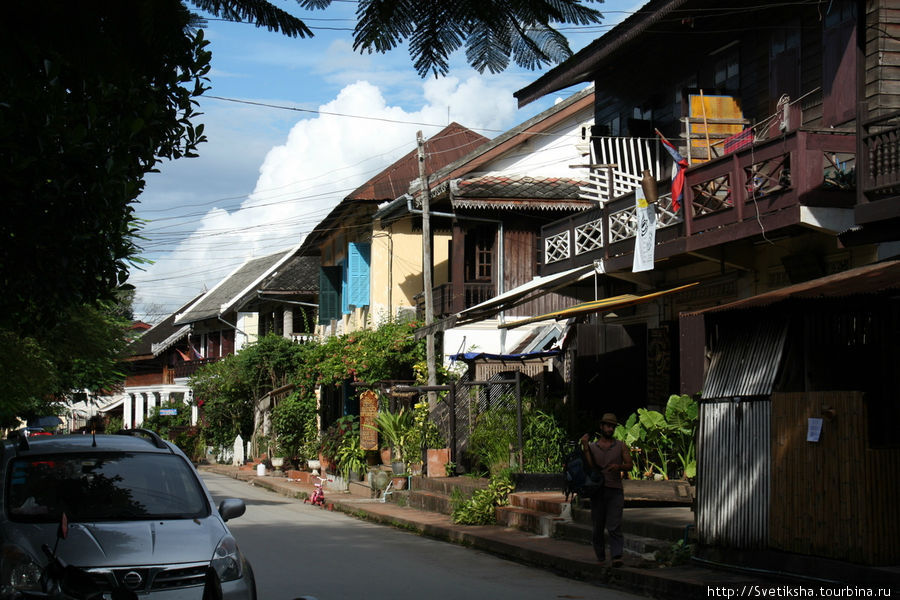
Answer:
(467, 356)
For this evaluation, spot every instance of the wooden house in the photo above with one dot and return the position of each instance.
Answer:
(768, 105)
(361, 283)
(486, 212)
(799, 451)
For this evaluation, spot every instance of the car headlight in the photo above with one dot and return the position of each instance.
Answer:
(227, 560)
(19, 572)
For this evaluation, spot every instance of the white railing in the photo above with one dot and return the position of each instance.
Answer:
(589, 235)
(617, 165)
(557, 247)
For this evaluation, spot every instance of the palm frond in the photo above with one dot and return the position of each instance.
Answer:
(259, 12)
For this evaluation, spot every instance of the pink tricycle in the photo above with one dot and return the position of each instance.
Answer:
(318, 495)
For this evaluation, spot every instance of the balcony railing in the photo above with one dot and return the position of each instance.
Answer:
(451, 298)
(188, 368)
(754, 182)
(880, 162)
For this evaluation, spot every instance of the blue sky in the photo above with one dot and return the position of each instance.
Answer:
(268, 175)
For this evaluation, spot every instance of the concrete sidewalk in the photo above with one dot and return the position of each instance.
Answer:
(570, 559)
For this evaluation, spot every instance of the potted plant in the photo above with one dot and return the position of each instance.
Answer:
(397, 430)
(437, 452)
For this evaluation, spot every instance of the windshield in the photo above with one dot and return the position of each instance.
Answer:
(103, 487)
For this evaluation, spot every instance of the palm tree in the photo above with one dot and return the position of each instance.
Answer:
(493, 31)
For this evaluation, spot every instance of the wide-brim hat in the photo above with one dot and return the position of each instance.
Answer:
(610, 419)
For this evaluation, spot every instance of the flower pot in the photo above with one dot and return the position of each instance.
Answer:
(278, 462)
(399, 483)
(314, 466)
(385, 456)
(398, 467)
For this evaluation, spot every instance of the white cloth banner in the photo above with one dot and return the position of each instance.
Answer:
(645, 237)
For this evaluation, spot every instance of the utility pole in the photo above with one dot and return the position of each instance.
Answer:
(426, 267)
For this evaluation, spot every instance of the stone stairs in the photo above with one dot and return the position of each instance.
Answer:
(654, 519)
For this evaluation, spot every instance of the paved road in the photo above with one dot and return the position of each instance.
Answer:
(298, 549)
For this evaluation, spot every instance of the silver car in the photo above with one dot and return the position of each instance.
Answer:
(138, 516)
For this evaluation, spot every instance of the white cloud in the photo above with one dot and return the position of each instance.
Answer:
(299, 180)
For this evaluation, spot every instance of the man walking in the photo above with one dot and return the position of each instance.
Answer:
(611, 457)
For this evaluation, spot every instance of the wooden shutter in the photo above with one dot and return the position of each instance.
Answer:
(358, 268)
(329, 294)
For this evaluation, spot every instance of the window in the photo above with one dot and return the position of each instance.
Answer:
(358, 260)
(839, 63)
(480, 254)
(784, 63)
(103, 487)
(330, 279)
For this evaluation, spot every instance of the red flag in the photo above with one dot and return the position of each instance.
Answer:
(681, 164)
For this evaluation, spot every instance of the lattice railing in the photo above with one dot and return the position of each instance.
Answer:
(589, 236)
(712, 195)
(557, 247)
(622, 224)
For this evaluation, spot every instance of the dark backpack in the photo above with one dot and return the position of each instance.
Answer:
(581, 477)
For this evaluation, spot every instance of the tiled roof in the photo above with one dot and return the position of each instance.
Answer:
(157, 334)
(226, 290)
(518, 191)
(299, 274)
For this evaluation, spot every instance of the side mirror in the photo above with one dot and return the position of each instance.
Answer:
(231, 508)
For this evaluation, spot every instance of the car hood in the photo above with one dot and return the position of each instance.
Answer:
(127, 543)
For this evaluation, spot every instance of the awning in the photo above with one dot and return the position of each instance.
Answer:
(869, 279)
(525, 292)
(604, 305)
(470, 356)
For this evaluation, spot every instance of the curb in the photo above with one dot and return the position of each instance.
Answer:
(568, 559)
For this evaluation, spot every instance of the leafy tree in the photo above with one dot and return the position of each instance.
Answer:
(492, 30)
(80, 351)
(225, 400)
(94, 95)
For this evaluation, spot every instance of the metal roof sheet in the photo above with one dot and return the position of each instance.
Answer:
(604, 305)
(869, 279)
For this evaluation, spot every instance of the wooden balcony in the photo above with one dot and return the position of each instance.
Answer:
(188, 368)
(450, 298)
(879, 193)
(726, 199)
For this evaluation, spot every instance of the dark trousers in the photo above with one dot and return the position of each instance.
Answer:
(606, 513)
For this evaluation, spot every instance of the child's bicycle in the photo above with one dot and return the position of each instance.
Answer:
(318, 495)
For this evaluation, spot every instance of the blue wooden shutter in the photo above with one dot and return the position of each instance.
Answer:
(345, 292)
(358, 260)
(329, 294)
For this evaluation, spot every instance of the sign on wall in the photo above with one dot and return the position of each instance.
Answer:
(368, 410)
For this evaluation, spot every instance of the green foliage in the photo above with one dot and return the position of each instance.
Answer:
(495, 436)
(350, 456)
(544, 440)
(429, 434)
(678, 553)
(114, 424)
(79, 352)
(294, 425)
(479, 509)
(269, 363)
(330, 442)
(398, 431)
(176, 428)
(663, 444)
(94, 97)
(225, 400)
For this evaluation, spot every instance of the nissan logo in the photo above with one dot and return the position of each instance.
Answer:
(132, 580)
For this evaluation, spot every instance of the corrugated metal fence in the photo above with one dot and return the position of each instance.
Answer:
(734, 474)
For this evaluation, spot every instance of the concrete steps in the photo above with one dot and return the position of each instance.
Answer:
(654, 518)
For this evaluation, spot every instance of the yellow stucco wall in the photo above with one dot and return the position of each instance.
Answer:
(396, 275)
